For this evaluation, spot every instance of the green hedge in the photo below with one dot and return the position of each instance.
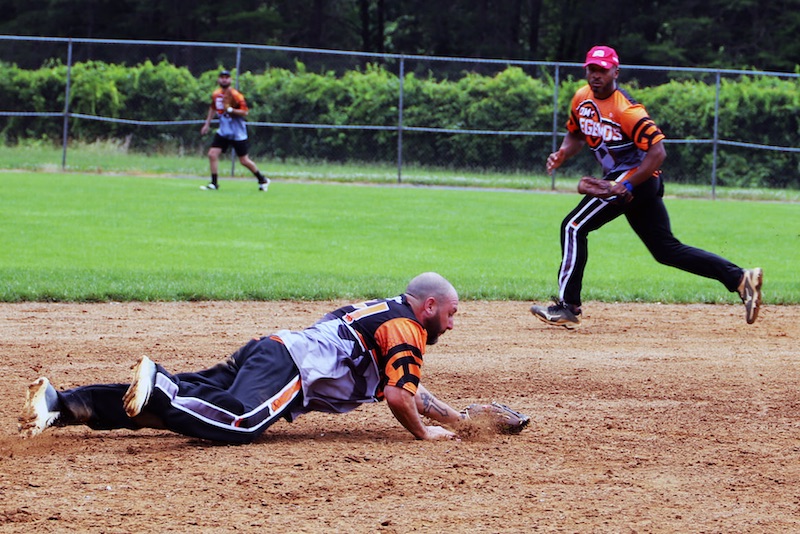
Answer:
(762, 110)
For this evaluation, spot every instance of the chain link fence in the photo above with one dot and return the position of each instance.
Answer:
(398, 137)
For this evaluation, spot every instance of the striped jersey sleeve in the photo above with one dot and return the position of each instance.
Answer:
(239, 101)
(402, 343)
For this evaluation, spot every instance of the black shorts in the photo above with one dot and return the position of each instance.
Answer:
(240, 147)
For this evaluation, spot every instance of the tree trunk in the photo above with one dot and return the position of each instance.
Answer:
(363, 6)
(380, 15)
(534, 18)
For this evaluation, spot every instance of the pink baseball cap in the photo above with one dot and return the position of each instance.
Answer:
(604, 56)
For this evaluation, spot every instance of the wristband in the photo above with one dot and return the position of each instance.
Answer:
(230, 109)
(628, 186)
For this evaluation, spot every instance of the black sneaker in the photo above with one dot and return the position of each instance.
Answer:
(750, 292)
(558, 314)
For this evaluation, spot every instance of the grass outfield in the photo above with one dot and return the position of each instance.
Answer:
(88, 237)
(111, 157)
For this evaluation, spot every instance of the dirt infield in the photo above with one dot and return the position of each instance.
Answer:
(650, 418)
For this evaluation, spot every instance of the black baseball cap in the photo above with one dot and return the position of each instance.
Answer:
(224, 72)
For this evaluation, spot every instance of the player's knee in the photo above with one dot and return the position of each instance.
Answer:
(663, 257)
(666, 251)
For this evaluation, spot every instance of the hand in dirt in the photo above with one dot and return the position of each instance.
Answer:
(439, 433)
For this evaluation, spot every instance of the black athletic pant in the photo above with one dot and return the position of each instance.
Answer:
(648, 217)
(233, 401)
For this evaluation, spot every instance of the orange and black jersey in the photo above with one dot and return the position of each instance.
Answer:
(618, 128)
(350, 355)
(230, 126)
(389, 330)
(236, 100)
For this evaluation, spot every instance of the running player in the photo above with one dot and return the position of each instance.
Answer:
(231, 107)
(630, 149)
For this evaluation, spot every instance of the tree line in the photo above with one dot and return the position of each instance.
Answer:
(755, 34)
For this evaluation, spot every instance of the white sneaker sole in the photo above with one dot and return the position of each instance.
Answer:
(754, 279)
(144, 375)
(36, 416)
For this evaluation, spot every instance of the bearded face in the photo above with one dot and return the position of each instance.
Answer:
(434, 329)
(439, 318)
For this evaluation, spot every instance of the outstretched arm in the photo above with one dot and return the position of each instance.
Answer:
(407, 409)
(432, 408)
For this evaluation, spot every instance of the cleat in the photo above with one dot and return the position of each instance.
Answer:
(40, 410)
(209, 187)
(264, 186)
(559, 314)
(750, 292)
(144, 378)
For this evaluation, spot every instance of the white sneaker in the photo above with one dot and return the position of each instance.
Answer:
(40, 410)
(750, 292)
(264, 186)
(144, 378)
(209, 187)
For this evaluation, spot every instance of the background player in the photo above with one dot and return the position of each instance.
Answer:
(362, 353)
(628, 145)
(231, 107)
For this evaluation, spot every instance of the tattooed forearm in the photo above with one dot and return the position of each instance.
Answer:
(431, 405)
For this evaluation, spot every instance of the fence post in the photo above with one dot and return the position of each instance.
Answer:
(238, 64)
(400, 123)
(65, 128)
(716, 143)
(555, 123)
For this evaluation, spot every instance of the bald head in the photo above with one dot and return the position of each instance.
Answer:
(434, 301)
(430, 285)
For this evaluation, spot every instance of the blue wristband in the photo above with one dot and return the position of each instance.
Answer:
(628, 185)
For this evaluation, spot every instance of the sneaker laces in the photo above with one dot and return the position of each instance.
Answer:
(559, 304)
